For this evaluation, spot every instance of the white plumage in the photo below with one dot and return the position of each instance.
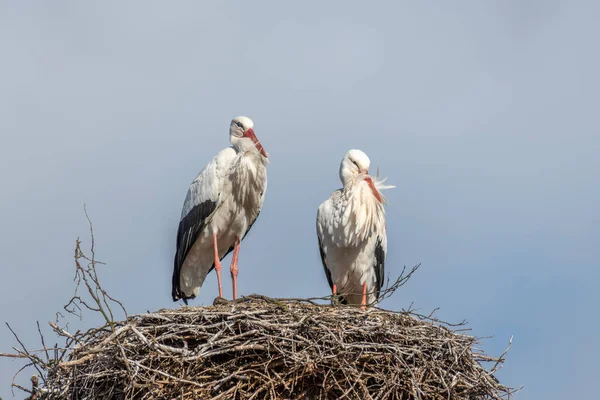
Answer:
(351, 233)
(221, 205)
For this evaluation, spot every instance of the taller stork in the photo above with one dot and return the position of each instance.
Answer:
(221, 205)
(351, 233)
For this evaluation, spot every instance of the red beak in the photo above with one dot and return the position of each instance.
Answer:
(373, 188)
(250, 134)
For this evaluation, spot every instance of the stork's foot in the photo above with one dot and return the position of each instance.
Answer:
(334, 296)
(220, 301)
(363, 303)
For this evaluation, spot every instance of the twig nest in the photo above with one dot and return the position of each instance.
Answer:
(261, 348)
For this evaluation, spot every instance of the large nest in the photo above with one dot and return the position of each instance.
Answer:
(256, 348)
(261, 348)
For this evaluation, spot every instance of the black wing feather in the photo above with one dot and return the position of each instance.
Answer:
(379, 265)
(327, 273)
(187, 233)
(341, 299)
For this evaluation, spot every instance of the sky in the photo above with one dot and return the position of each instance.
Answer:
(483, 114)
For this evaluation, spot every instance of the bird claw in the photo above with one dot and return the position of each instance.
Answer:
(335, 299)
(220, 301)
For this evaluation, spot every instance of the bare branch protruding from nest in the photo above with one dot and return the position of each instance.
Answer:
(48, 358)
(89, 277)
(399, 282)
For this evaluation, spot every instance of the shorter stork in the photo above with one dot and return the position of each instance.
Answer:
(351, 233)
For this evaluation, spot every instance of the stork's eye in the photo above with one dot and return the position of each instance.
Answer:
(238, 123)
(355, 163)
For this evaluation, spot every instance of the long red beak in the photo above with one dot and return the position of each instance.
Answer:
(373, 188)
(250, 134)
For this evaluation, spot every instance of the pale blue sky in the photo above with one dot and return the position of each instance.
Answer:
(483, 114)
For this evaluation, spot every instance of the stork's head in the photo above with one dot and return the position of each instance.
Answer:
(242, 137)
(355, 169)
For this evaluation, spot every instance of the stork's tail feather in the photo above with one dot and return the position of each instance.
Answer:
(176, 291)
(177, 295)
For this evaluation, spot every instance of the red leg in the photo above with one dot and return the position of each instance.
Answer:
(334, 289)
(234, 266)
(363, 304)
(217, 264)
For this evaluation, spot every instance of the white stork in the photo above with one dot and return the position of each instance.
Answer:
(351, 233)
(221, 205)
